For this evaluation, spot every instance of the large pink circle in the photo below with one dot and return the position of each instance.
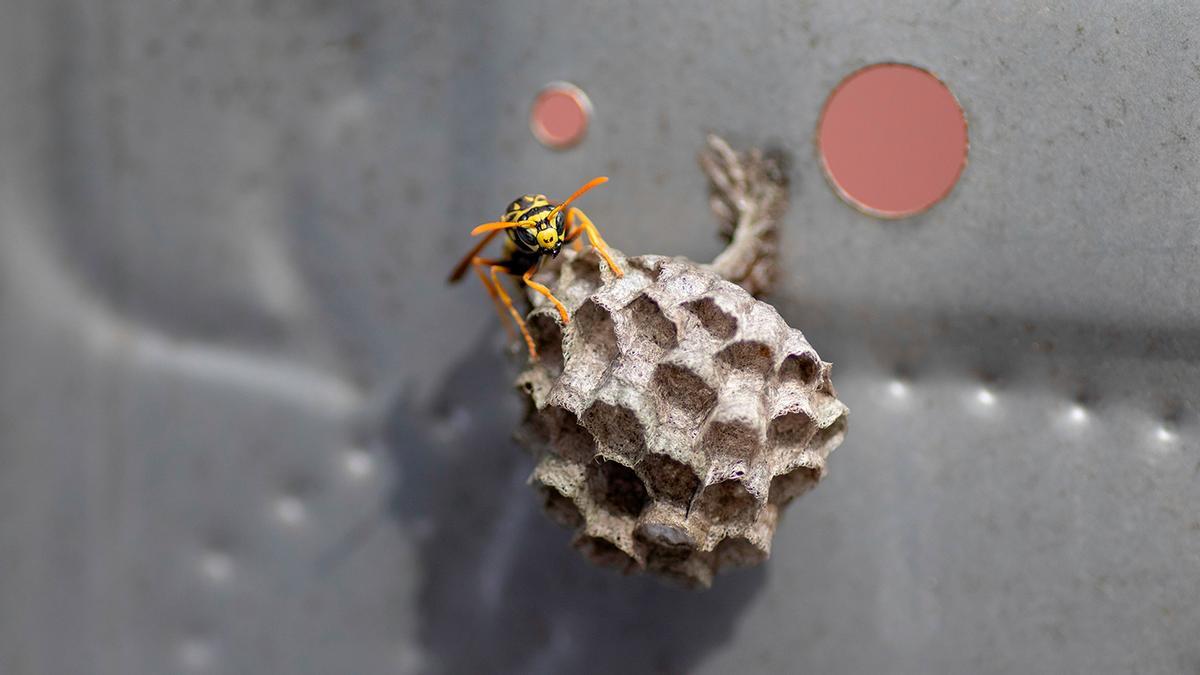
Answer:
(892, 139)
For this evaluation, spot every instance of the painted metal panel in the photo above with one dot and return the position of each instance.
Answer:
(247, 428)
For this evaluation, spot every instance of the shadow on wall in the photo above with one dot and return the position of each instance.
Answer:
(501, 589)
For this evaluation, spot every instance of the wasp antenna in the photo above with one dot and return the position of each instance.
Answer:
(499, 225)
(598, 180)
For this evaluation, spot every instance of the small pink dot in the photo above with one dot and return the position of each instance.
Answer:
(892, 139)
(560, 115)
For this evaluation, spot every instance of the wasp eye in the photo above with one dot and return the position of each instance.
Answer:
(526, 238)
(560, 223)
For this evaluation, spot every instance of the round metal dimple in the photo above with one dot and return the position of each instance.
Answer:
(216, 566)
(892, 140)
(195, 654)
(560, 115)
(290, 510)
(357, 463)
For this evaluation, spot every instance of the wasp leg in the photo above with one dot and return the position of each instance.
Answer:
(573, 232)
(596, 240)
(508, 303)
(469, 258)
(480, 264)
(562, 311)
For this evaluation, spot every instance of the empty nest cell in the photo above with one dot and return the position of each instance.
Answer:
(559, 507)
(593, 345)
(803, 368)
(547, 337)
(715, 320)
(616, 488)
(786, 487)
(669, 479)
(568, 439)
(684, 398)
(737, 552)
(730, 440)
(651, 324)
(789, 434)
(615, 428)
(748, 357)
(727, 502)
(825, 440)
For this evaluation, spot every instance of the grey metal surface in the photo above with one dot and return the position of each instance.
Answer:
(246, 428)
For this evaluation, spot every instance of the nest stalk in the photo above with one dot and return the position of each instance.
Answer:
(748, 194)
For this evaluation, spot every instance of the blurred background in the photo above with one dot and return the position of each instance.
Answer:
(246, 427)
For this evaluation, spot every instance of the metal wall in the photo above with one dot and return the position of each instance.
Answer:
(245, 427)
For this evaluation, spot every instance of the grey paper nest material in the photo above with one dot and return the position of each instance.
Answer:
(673, 417)
(676, 415)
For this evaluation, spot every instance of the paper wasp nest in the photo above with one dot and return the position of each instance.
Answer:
(675, 415)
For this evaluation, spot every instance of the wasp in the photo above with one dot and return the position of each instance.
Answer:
(536, 228)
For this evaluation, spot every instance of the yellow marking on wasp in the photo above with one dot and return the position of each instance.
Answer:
(547, 238)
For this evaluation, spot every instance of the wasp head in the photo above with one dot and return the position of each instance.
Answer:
(544, 236)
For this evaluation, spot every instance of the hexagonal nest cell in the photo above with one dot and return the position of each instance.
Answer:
(673, 417)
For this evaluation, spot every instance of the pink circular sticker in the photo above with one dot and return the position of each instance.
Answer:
(892, 140)
(560, 115)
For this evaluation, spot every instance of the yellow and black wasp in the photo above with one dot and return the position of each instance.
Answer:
(536, 229)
